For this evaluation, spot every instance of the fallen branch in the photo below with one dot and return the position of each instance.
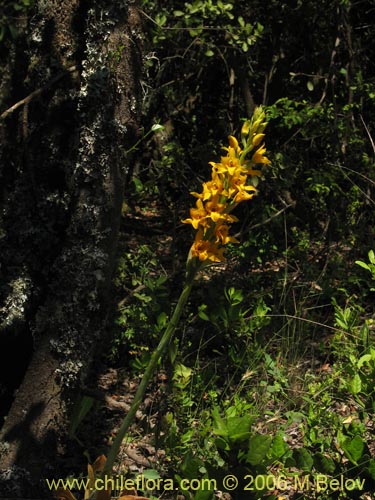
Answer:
(111, 403)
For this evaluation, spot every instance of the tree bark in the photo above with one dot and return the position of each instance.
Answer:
(75, 73)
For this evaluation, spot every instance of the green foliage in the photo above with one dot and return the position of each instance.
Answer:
(229, 313)
(9, 12)
(146, 314)
(215, 23)
(226, 313)
(370, 266)
(361, 383)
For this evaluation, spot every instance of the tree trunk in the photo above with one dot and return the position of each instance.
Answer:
(62, 173)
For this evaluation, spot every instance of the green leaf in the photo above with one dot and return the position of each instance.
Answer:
(355, 385)
(178, 13)
(181, 375)
(221, 444)
(137, 184)
(187, 436)
(173, 350)
(259, 445)
(142, 297)
(191, 465)
(354, 448)
(203, 315)
(363, 359)
(209, 53)
(371, 468)
(363, 264)
(310, 86)
(239, 428)
(303, 458)
(81, 409)
(203, 495)
(156, 127)
(161, 19)
(324, 464)
(279, 446)
(162, 320)
(220, 427)
(151, 474)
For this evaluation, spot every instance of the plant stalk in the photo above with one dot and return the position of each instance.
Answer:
(155, 358)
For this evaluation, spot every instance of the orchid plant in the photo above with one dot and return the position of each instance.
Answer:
(233, 181)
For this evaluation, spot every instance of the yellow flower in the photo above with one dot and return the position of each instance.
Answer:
(257, 139)
(215, 211)
(221, 233)
(250, 171)
(197, 215)
(252, 128)
(245, 129)
(206, 250)
(238, 185)
(258, 156)
(233, 149)
(214, 208)
(243, 196)
(210, 189)
(228, 165)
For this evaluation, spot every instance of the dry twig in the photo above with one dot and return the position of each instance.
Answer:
(36, 92)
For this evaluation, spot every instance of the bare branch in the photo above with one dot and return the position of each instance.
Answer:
(36, 92)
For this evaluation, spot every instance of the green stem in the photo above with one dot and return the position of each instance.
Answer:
(155, 358)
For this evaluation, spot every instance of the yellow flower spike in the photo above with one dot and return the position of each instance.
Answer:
(237, 185)
(197, 195)
(256, 121)
(250, 171)
(231, 183)
(258, 117)
(214, 205)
